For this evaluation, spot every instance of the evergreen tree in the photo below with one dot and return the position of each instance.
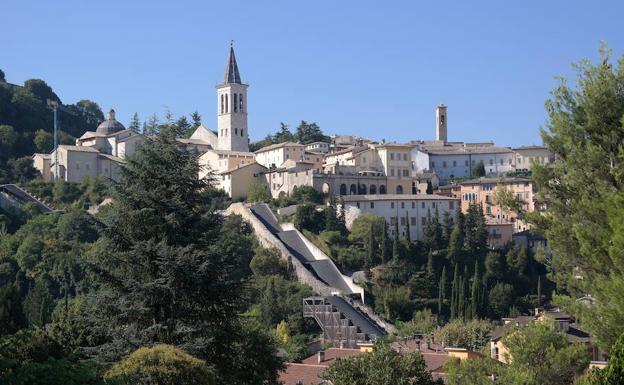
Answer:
(396, 250)
(196, 119)
(406, 235)
(475, 301)
(135, 123)
(456, 246)
(331, 217)
(442, 291)
(539, 290)
(370, 249)
(455, 293)
(384, 243)
(447, 229)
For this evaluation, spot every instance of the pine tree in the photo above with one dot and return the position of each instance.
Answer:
(442, 291)
(456, 246)
(196, 118)
(447, 229)
(135, 123)
(332, 223)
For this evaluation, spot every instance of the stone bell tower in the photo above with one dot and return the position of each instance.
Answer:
(232, 109)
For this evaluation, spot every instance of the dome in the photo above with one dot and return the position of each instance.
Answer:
(110, 125)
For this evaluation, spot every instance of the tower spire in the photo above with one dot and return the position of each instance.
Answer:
(231, 71)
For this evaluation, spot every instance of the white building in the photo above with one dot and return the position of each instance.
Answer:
(526, 155)
(322, 147)
(412, 210)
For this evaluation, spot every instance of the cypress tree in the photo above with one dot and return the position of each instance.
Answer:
(406, 235)
(475, 300)
(370, 252)
(539, 290)
(454, 292)
(395, 242)
(384, 243)
(442, 291)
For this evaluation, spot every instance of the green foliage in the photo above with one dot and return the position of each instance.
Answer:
(500, 299)
(258, 193)
(268, 262)
(160, 365)
(393, 303)
(478, 170)
(614, 372)
(32, 357)
(584, 193)
(545, 354)
(422, 323)
(309, 132)
(383, 366)
(307, 217)
(472, 335)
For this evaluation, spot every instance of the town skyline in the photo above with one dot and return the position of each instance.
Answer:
(164, 67)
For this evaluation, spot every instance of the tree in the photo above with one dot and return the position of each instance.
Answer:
(22, 169)
(160, 365)
(475, 291)
(382, 366)
(135, 123)
(44, 141)
(173, 270)
(614, 372)
(584, 192)
(442, 291)
(268, 262)
(196, 119)
(8, 138)
(258, 193)
(308, 133)
(471, 335)
(545, 354)
(283, 135)
(308, 218)
(478, 170)
(501, 298)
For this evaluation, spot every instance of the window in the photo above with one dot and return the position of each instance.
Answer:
(226, 103)
(454, 163)
(466, 163)
(222, 103)
(392, 156)
(393, 220)
(402, 205)
(391, 205)
(372, 205)
(501, 162)
(240, 102)
(242, 134)
(423, 221)
(432, 164)
(491, 162)
(391, 172)
(402, 221)
(236, 129)
(235, 102)
(433, 204)
(413, 205)
(451, 205)
(422, 205)
(413, 221)
(404, 156)
(444, 164)
(405, 173)
(357, 204)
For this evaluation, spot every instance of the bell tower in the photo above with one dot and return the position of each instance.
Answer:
(441, 123)
(232, 109)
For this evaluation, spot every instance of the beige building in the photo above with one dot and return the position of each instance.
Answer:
(276, 154)
(482, 191)
(526, 155)
(96, 153)
(237, 181)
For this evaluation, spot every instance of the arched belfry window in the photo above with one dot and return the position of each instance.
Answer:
(235, 102)
(242, 132)
(240, 102)
(222, 108)
(226, 103)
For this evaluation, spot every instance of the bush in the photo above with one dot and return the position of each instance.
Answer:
(160, 365)
(258, 193)
(308, 218)
(471, 335)
(268, 262)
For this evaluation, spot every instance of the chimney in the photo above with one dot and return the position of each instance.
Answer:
(441, 123)
(321, 356)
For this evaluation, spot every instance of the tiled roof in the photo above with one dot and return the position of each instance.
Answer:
(496, 180)
(331, 355)
(231, 170)
(306, 374)
(78, 148)
(396, 197)
(463, 149)
(278, 145)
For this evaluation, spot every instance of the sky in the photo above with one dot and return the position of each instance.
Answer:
(370, 68)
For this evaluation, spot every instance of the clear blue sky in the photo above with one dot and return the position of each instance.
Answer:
(372, 68)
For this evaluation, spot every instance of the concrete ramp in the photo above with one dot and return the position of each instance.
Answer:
(13, 195)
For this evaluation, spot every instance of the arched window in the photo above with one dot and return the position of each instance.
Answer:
(353, 189)
(227, 102)
(372, 190)
(222, 103)
(382, 189)
(235, 102)
(242, 132)
(240, 102)
(343, 189)
(399, 189)
(362, 189)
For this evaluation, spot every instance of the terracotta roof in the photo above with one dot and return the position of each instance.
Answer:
(396, 197)
(331, 354)
(305, 374)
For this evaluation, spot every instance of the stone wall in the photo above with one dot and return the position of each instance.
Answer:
(268, 240)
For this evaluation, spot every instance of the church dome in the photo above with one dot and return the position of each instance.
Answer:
(110, 125)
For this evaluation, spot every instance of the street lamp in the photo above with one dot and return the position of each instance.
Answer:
(54, 104)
